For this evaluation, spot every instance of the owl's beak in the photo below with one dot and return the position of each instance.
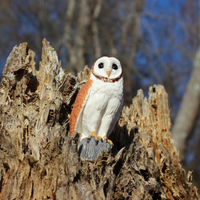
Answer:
(108, 73)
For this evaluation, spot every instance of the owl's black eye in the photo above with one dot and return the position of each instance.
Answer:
(114, 66)
(100, 65)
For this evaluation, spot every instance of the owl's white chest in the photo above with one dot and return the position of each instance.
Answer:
(103, 92)
(102, 108)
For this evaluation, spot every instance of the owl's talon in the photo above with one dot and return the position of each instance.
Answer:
(105, 138)
(93, 134)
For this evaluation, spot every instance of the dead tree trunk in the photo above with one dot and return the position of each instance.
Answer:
(38, 160)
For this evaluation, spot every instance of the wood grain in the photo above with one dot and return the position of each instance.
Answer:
(39, 160)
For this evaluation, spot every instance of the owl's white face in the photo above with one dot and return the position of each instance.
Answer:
(107, 67)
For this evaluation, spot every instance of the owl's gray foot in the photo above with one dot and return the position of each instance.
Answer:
(91, 148)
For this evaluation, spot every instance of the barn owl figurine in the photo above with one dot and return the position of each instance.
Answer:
(98, 105)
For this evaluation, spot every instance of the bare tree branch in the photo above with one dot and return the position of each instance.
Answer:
(189, 108)
(95, 28)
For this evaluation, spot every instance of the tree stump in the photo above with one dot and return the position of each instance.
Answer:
(39, 160)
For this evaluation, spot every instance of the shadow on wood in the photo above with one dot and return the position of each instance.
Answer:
(38, 160)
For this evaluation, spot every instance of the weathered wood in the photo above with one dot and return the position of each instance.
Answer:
(38, 160)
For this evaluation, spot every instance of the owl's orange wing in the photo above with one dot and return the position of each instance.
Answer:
(78, 105)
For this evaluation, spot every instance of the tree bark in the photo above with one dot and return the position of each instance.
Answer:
(39, 160)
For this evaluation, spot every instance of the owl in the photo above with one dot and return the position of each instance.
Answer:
(98, 105)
